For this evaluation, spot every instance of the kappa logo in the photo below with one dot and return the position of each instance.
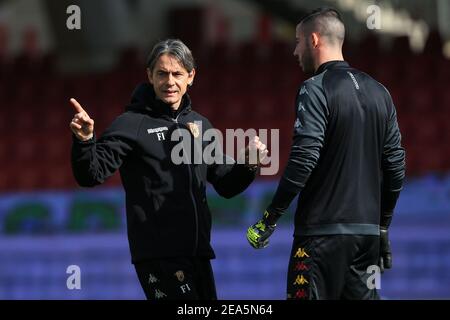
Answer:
(159, 294)
(152, 278)
(301, 294)
(303, 90)
(301, 266)
(301, 107)
(159, 132)
(300, 280)
(301, 253)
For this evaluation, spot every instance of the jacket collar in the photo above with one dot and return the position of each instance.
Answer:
(144, 99)
(334, 64)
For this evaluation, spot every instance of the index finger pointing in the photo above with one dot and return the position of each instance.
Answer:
(77, 106)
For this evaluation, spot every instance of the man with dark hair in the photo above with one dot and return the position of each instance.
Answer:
(348, 166)
(168, 219)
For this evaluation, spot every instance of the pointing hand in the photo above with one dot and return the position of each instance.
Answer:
(81, 125)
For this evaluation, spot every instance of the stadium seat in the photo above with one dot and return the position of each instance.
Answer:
(247, 85)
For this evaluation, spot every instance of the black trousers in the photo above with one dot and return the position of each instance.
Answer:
(333, 267)
(177, 279)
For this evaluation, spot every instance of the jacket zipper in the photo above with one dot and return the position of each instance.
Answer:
(191, 193)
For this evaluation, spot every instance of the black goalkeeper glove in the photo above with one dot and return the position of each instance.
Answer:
(385, 250)
(259, 233)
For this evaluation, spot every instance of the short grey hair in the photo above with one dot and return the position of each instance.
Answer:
(175, 48)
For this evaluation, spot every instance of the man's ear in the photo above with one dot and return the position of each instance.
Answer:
(191, 77)
(149, 76)
(315, 39)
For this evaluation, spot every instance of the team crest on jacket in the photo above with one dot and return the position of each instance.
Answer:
(193, 127)
(180, 275)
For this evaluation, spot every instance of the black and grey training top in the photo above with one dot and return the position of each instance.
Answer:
(346, 159)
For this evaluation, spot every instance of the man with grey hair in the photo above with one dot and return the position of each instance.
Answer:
(348, 166)
(168, 219)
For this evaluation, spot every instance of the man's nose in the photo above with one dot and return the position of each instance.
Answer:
(170, 79)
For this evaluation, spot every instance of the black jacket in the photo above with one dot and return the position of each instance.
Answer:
(167, 210)
(346, 157)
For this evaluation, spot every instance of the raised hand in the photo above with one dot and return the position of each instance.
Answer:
(253, 154)
(81, 125)
(256, 146)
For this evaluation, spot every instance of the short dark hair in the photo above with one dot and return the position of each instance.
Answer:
(327, 21)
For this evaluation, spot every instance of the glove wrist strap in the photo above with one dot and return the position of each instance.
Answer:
(270, 218)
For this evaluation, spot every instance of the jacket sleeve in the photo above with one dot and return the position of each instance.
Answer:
(228, 177)
(93, 161)
(308, 140)
(393, 167)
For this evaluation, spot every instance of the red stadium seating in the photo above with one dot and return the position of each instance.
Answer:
(237, 86)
